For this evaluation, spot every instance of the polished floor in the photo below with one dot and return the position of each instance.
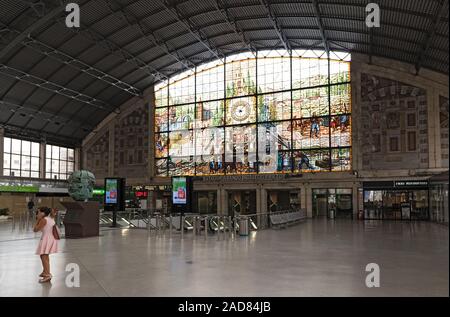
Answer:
(314, 258)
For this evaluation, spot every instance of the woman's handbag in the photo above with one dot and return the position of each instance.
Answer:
(56, 232)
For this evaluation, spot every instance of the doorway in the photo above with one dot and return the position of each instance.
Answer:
(333, 203)
(241, 202)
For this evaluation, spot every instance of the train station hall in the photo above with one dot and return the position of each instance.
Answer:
(224, 149)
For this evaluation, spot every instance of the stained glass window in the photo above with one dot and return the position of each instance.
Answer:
(273, 107)
(266, 113)
(240, 75)
(274, 71)
(209, 114)
(240, 149)
(241, 110)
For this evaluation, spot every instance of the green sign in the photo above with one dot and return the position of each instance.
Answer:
(19, 189)
(98, 191)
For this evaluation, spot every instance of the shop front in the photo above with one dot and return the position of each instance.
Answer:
(205, 202)
(241, 202)
(281, 200)
(396, 200)
(332, 203)
(439, 198)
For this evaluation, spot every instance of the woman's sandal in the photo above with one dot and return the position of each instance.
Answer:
(42, 274)
(45, 279)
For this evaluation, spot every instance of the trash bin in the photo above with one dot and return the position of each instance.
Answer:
(331, 213)
(243, 226)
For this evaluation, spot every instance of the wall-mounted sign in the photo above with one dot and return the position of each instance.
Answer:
(410, 183)
(19, 189)
(396, 184)
(98, 192)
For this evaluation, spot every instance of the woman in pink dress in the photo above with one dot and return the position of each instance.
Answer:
(48, 244)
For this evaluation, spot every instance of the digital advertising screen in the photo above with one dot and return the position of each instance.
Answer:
(179, 190)
(111, 191)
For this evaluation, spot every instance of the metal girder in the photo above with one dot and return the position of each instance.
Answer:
(132, 21)
(191, 28)
(34, 134)
(221, 6)
(74, 62)
(81, 66)
(276, 26)
(319, 22)
(370, 45)
(42, 114)
(53, 87)
(116, 50)
(47, 15)
(430, 35)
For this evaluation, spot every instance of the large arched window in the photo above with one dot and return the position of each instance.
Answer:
(271, 113)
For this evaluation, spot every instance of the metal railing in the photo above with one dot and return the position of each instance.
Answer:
(287, 217)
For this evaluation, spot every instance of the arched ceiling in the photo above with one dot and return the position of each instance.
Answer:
(58, 83)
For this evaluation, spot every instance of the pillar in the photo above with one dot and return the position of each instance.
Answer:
(111, 151)
(42, 161)
(222, 201)
(262, 221)
(77, 163)
(219, 201)
(355, 205)
(2, 135)
(309, 204)
(302, 196)
(151, 140)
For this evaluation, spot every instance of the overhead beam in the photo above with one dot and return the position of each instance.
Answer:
(115, 50)
(191, 28)
(321, 28)
(430, 35)
(75, 63)
(53, 87)
(133, 21)
(50, 13)
(221, 6)
(42, 114)
(34, 134)
(273, 20)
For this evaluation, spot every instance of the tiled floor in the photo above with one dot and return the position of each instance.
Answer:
(315, 258)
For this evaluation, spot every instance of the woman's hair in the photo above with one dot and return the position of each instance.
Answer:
(45, 210)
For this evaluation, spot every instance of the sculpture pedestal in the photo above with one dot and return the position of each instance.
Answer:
(81, 219)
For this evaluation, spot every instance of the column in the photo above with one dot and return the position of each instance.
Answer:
(433, 129)
(263, 197)
(111, 151)
(258, 205)
(77, 163)
(42, 161)
(224, 196)
(2, 135)
(151, 148)
(219, 201)
(302, 196)
(355, 205)
(309, 204)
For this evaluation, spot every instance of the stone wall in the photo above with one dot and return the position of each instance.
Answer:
(394, 124)
(120, 147)
(443, 120)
